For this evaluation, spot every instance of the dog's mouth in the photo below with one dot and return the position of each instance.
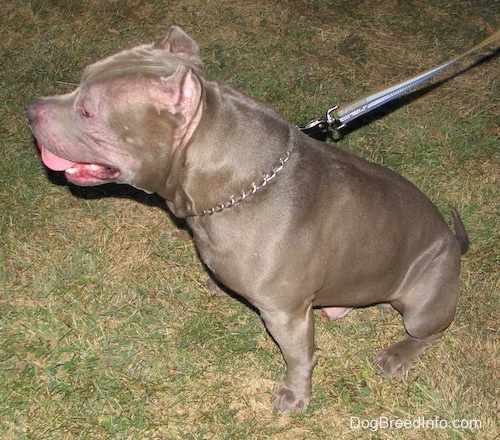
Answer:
(83, 174)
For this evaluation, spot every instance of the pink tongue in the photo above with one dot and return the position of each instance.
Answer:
(54, 162)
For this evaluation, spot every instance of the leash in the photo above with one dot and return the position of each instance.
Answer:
(337, 117)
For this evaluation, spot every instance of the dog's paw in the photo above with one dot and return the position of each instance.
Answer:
(395, 361)
(285, 401)
(391, 364)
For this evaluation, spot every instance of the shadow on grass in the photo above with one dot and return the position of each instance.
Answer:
(117, 191)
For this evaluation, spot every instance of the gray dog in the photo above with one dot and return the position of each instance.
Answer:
(287, 222)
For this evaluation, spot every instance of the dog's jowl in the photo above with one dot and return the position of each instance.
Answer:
(285, 221)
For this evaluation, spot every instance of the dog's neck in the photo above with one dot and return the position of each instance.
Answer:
(252, 189)
(217, 169)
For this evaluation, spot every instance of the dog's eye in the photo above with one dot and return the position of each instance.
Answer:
(81, 108)
(85, 113)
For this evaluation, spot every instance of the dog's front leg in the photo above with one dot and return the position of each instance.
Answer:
(294, 333)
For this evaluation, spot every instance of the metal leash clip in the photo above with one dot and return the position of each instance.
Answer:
(315, 128)
(321, 128)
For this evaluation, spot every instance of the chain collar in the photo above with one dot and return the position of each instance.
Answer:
(265, 179)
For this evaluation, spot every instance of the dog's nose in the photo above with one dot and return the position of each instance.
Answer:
(33, 109)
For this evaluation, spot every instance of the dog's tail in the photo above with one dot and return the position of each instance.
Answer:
(460, 231)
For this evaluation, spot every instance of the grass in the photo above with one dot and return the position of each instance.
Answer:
(106, 328)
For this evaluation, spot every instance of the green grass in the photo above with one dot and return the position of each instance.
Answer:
(106, 328)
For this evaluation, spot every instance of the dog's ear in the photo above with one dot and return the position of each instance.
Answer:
(177, 42)
(179, 94)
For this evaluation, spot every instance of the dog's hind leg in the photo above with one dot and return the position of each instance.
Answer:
(428, 308)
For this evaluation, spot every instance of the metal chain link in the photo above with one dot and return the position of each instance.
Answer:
(266, 178)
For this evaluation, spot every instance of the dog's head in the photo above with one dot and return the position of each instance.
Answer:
(128, 117)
